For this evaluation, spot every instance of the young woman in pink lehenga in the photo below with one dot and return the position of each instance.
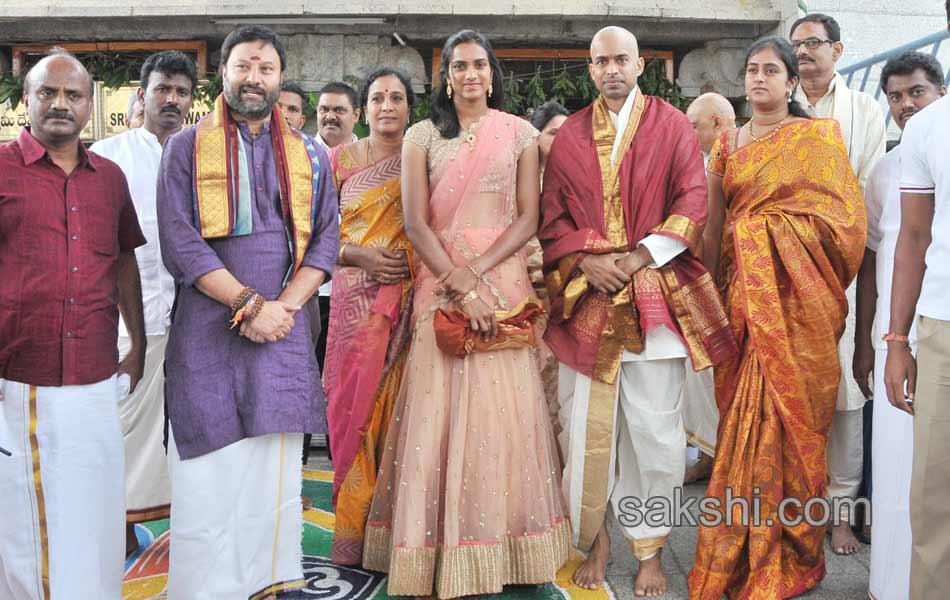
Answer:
(468, 494)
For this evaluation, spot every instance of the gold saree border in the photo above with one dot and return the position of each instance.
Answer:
(276, 588)
(683, 227)
(648, 547)
(615, 223)
(468, 569)
(601, 406)
(144, 515)
(622, 330)
(280, 486)
(211, 175)
(40, 499)
(699, 442)
(301, 192)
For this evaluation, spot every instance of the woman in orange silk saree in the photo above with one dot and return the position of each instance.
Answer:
(793, 239)
(368, 337)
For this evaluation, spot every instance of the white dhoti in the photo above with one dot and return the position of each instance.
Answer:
(646, 458)
(700, 412)
(62, 502)
(142, 413)
(846, 437)
(892, 461)
(237, 520)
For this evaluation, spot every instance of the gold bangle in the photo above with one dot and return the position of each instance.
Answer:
(469, 297)
(474, 272)
(339, 255)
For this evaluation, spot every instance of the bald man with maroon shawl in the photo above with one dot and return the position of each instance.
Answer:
(623, 208)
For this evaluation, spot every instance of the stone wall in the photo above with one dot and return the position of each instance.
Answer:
(319, 59)
(732, 10)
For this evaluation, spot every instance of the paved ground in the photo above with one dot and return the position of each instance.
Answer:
(847, 577)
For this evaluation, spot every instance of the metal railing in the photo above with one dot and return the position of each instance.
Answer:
(863, 68)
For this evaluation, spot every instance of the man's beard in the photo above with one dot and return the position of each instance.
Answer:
(254, 110)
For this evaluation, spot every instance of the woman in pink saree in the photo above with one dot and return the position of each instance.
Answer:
(467, 498)
(368, 338)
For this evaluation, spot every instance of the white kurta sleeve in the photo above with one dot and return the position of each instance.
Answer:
(874, 197)
(875, 142)
(662, 248)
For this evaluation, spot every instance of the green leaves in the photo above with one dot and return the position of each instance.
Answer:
(208, 91)
(113, 70)
(514, 101)
(653, 82)
(534, 92)
(421, 107)
(586, 88)
(563, 87)
(11, 88)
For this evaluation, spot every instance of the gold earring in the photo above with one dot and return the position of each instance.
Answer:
(489, 90)
(448, 90)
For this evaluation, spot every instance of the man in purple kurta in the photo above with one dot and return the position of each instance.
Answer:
(239, 400)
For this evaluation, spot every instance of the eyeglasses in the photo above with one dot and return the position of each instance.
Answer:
(811, 43)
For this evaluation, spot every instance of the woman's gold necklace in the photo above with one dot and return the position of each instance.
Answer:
(470, 139)
(770, 134)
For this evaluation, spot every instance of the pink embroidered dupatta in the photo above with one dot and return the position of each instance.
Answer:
(471, 203)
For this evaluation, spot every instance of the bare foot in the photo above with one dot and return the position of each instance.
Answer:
(650, 581)
(307, 502)
(590, 573)
(131, 542)
(842, 539)
(699, 471)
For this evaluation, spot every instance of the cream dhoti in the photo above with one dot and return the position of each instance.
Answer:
(236, 520)
(700, 413)
(142, 413)
(62, 499)
(645, 444)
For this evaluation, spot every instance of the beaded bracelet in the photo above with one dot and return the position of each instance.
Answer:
(246, 313)
(254, 308)
(241, 299)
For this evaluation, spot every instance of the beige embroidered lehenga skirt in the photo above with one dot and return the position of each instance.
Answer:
(467, 498)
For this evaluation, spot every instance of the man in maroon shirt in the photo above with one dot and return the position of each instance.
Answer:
(68, 230)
